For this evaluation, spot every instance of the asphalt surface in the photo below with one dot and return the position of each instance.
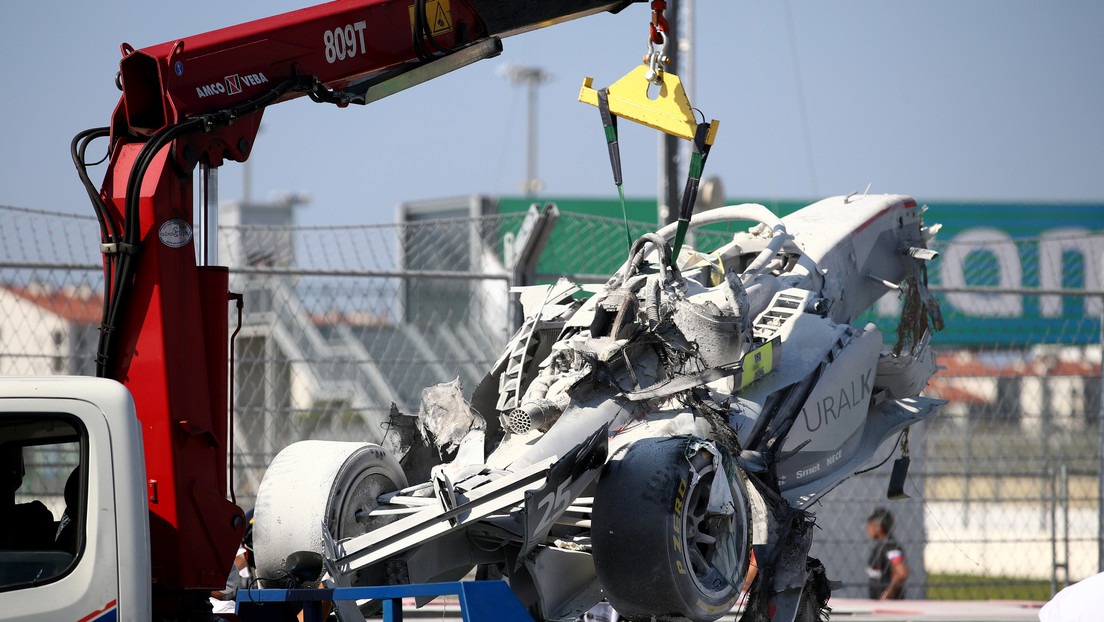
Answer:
(843, 610)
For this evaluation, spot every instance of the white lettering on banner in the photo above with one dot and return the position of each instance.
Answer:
(341, 42)
(1053, 244)
(1000, 245)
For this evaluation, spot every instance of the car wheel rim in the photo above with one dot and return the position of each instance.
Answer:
(701, 533)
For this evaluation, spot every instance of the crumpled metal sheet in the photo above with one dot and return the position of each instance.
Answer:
(445, 418)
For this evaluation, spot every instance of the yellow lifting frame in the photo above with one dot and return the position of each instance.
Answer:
(669, 112)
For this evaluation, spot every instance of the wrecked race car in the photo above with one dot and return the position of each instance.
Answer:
(637, 443)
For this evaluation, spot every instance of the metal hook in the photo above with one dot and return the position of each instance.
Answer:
(655, 59)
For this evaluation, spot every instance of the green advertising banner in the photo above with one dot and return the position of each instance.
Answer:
(1029, 251)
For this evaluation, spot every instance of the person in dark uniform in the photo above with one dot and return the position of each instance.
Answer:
(886, 568)
(23, 526)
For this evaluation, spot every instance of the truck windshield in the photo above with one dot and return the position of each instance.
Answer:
(41, 494)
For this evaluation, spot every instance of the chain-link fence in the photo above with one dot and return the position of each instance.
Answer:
(1005, 481)
(340, 323)
(355, 319)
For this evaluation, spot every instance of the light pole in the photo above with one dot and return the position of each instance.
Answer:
(674, 153)
(532, 78)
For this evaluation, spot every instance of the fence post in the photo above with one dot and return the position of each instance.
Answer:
(1052, 510)
(1059, 499)
(1100, 457)
(1065, 498)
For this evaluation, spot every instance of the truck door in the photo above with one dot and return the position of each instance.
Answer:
(66, 531)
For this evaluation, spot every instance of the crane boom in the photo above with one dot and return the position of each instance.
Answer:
(199, 100)
(337, 46)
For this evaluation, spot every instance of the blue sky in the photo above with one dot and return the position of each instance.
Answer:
(980, 100)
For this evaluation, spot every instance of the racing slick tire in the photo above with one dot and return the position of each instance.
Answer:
(657, 548)
(316, 483)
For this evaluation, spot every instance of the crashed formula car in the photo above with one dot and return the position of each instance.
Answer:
(636, 444)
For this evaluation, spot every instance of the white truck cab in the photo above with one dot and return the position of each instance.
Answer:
(81, 553)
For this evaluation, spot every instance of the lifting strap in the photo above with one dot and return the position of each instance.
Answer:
(609, 124)
(690, 192)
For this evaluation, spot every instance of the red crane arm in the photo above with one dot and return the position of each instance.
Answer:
(334, 46)
(199, 100)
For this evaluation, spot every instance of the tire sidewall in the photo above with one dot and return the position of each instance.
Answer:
(309, 484)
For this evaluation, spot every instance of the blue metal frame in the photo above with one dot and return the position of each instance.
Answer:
(480, 601)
